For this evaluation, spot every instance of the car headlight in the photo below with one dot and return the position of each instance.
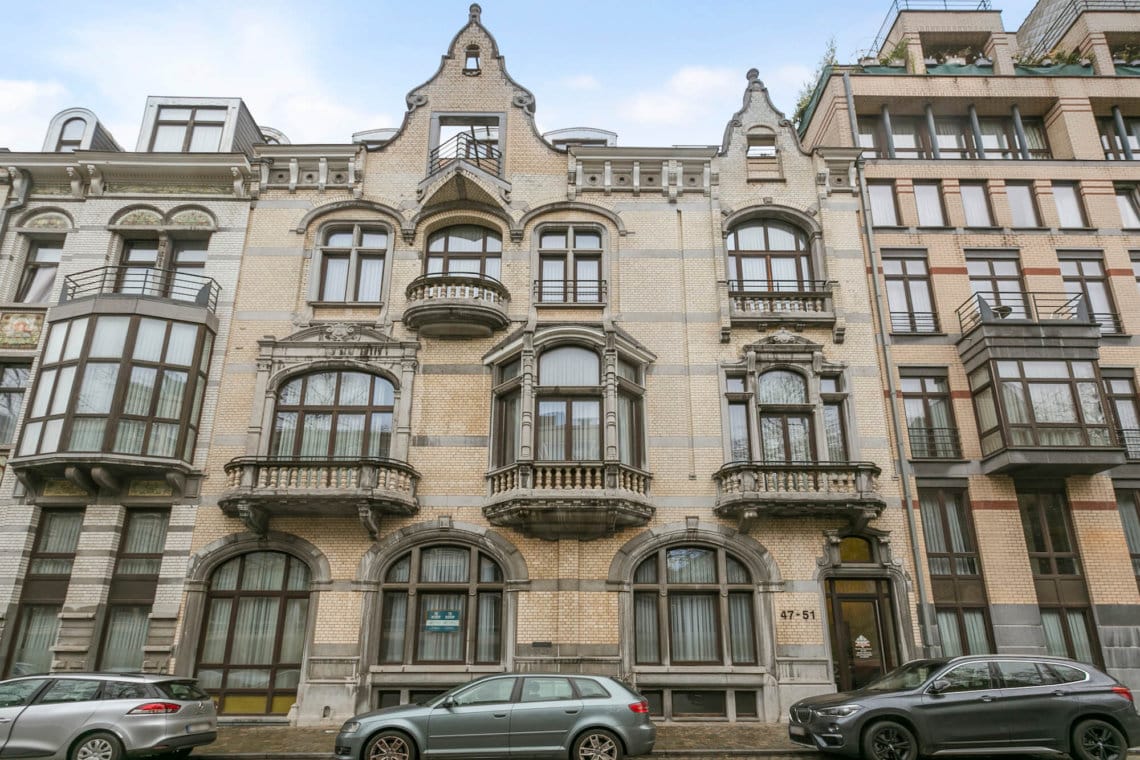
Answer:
(840, 711)
(350, 727)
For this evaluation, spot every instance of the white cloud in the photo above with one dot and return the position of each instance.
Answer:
(581, 82)
(253, 55)
(28, 107)
(693, 94)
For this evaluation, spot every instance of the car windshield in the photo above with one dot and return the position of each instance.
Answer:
(909, 676)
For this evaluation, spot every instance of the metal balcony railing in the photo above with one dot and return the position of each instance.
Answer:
(466, 146)
(761, 297)
(1022, 307)
(149, 283)
(934, 443)
(914, 322)
(570, 291)
(1130, 439)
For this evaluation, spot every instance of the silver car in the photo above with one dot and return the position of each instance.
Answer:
(531, 715)
(103, 716)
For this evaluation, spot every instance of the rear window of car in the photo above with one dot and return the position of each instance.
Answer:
(1021, 674)
(1066, 674)
(590, 689)
(125, 690)
(184, 690)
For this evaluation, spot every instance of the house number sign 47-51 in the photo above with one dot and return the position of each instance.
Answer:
(797, 614)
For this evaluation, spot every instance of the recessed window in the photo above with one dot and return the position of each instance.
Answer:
(13, 384)
(693, 605)
(570, 265)
(1085, 278)
(997, 281)
(976, 203)
(1129, 210)
(465, 249)
(761, 146)
(1022, 204)
(38, 279)
(333, 415)
(471, 60)
(442, 604)
(133, 586)
(930, 422)
(1128, 504)
(785, 418)
(352, 264)
(768, 255)
(909, 295)
(884, 212)
(188, 130)
(1122, 399)
(1070, 210)
(928, 198)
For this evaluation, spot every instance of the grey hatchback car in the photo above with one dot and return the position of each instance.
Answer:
(103, 716)
(531, 715)
(979, 704)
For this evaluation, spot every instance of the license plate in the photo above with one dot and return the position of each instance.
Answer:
(797, 730)
(195, 728)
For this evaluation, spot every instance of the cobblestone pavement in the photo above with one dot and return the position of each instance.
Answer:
(691, 741)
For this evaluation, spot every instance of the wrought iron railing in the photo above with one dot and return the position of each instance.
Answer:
(170, 284)
(934, 443)
(466, 146)
(856, 480)
(753, 298)
(992, 308)
(457, 286)
(569, 476)
(570, 291)
(914, 322)
(1130, 439)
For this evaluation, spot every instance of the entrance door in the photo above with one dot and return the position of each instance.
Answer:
(863, 639)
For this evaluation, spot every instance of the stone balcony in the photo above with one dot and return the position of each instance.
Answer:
(746, 490)
(258, 488)
(456, 305)
(579, 500)
(771, 302)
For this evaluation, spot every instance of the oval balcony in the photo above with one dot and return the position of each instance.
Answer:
(746, 490)
(579, 500)
(456, 305)
(258, 488)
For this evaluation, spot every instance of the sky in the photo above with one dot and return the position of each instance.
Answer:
(657, 72)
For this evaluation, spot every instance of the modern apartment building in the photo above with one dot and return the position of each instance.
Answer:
(1003, 234)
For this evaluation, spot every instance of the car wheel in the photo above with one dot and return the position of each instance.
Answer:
(596, 744)
(389, 745)
(97, 746)
(1097, 740)
(888, 740)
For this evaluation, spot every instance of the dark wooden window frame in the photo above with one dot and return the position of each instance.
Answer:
(130, 589)
(801, 255)
(911, 321)
(925, 394)
(662, 590)
(189, 124)
(414, 590)
(447, 256)
(573, 289)
(15, 395)
(335, 410)
(1109, 322)
(354, 254)
(1133, 503)
(31, 264)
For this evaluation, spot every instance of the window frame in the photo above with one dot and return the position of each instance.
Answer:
(12, 398)
(800, 255)
(1128, 499)
(925, 395)
(32, 266)
(1033, 209)
(936, 186)
(334, 411)
(983, 187)
(355, 254)
(1078, 206)
(884, 186)
(446, 256)
(1128, 204)
(188, 124)
(910, 322)
(1079, 283)
(571, 289)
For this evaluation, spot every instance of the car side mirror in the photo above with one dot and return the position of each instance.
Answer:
(448, 702)
(940, 685)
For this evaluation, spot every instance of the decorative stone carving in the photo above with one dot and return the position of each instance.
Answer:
(192, 218)
(142, 217)
(340, 332)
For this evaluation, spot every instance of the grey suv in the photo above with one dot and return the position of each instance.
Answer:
(103, 716)
(975, 705)
(532, 715)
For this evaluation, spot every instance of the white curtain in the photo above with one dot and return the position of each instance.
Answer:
(645, 634)
(976, 206)
(285, 433)
(627, 430)
(349, 441)
(833, 429)
(380, 436)
(110, 337)
(444, 564)
(293, 630)
(441, 646)
(928, 196)
(98, 388)
(1130, 517)
(883, 212)
(255, 628)
(139, 391)
(976, 638)
(392, 626)
(336, 278)
(1079, 633)
(148, 340)
(180, 350)
(369, 277)
(693, 627)
(354, 387)
(742, 637)
(315, 436)
(264, 571)
(934, 532)
(126, 636)
(146, 534)
(949, 634)
(569, 365)
(690, 565)
(781, 387)
(738, 432)
(551, 431)
(217, 626)
(170, 397)
(163, 438)
(38, 627)
(1054, 633)
(86, 434)
(488, 635)
(586, 435)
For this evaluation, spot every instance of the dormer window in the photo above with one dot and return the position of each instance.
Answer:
(188, 130)
(471, 61)
(71, 136)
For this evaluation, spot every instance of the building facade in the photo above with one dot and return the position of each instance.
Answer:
(1003, 234)
(332, 427)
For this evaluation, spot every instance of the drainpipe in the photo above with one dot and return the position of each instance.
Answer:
(926, 624)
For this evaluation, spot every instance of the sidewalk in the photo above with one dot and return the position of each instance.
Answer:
(689, 741)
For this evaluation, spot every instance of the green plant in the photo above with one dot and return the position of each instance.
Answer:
(1126, 53)
(898, 53)
(808, 89)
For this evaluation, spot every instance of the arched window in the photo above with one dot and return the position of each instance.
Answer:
(333, 414)
(569, 405)
(465, 249)
(253, 637)
(693, 605)
(71, 136)
(767, 255)
(785, 417)
(442, 604)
